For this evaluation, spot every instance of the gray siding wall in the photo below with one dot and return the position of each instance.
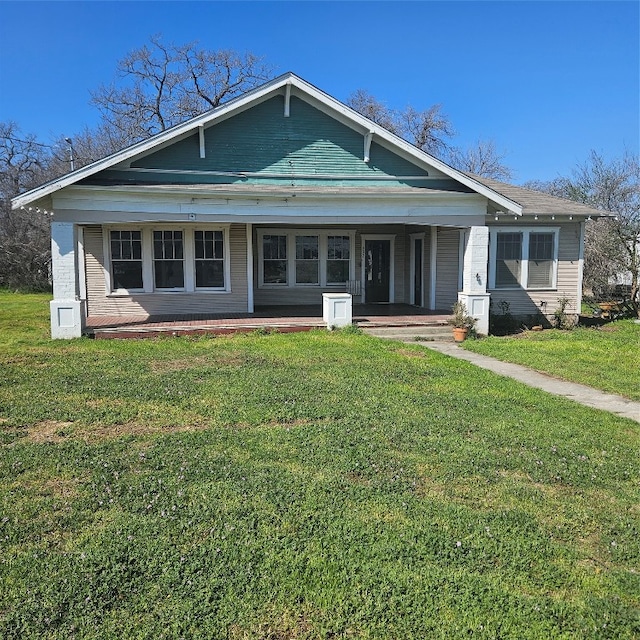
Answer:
(99, 303)
(530, 302)
(447, 267)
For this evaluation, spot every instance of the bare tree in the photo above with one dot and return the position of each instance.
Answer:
(426, 129)
(24, 235)
(483, 159)
(370, 107)
(161, 85)
(612, 250)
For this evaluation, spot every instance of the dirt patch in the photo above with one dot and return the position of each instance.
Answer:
(358, 479)
(55, 432)
(182, 364)
(98, 433)
(49, 431)
(412, 354)
(284, 626)
(62, 488)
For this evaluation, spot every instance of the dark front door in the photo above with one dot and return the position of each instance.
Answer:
(377, 255)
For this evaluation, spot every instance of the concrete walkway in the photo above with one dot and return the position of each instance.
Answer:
(577, 392)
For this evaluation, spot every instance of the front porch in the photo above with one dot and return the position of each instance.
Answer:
(284, 319)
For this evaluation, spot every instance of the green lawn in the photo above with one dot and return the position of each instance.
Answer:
(316, 485)
(607, 358)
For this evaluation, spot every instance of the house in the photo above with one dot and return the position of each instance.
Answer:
(283, 194)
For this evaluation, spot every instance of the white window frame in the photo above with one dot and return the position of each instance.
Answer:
(319, 259)
(106, 244)
(291, 234)
(148, 280)
(524, 264)
(185, 241)
(226, 261)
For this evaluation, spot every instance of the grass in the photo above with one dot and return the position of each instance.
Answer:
(317, 485)
(606, 358)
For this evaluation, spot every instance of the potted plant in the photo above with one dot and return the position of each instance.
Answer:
(461, 321)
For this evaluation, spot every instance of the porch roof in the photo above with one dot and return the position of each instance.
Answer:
(536, 202)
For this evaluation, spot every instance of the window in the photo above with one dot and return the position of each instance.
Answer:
(508, 259)
(541, 260)
(274, 250)
(524, 258)
(209, 258)
(168, 259)
(338, 259)
(126, 260)
(305, 257)
(307, 263)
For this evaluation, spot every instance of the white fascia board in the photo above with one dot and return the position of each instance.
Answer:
(349, 116)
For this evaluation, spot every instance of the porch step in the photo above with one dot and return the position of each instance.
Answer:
(415, 333)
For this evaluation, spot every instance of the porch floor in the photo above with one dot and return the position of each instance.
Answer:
(283, 319)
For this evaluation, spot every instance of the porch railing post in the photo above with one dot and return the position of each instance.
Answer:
(68, 311)
(474, 292)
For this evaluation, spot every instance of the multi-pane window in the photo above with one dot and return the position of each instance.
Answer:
(524, 258)
(508, 259)
(338, 259)
(274, 255)
(540, 260)
(168, 259)
(307, 260)
(305, 257)
(126, 260)
(209, 259)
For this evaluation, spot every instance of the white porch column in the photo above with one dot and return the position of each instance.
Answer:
(474, 276)
(68, 312)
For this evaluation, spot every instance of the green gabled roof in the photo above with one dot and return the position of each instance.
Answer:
(390, 156)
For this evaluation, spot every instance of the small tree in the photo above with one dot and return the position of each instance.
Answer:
(25, 250)
(612, 245)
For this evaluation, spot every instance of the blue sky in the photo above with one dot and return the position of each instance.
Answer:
(546, 80)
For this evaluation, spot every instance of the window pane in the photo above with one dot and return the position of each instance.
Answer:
(127, 274)
(274, 247)
(307, 247)
(307, 271)
(209, 273)
(508, 259)
(126, 259)
(168, 254)
(169, 274)
(275, 272)
(337, 271)
(338, 247)
(540, 260)
(209, 248)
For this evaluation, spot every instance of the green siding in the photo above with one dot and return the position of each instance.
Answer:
(261, 140)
